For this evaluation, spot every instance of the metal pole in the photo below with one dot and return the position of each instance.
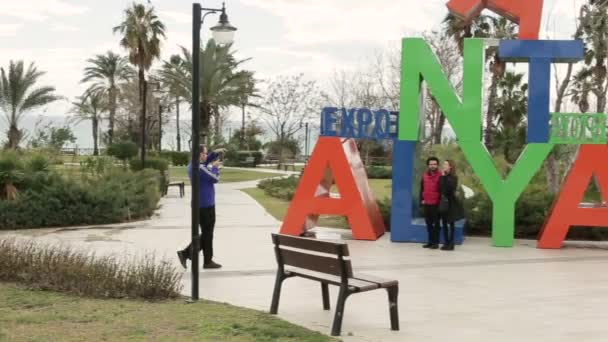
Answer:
(143, 125)
(196, 122)
(160, 128)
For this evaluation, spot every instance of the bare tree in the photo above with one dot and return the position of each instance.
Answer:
(289, 101)
(450, 60)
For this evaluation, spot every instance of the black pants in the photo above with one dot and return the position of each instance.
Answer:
(206, 218)
(431, 216)
(448, 231)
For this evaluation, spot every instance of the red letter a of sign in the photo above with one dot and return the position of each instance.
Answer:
(566, 210)
(527, 13)
(332, 160)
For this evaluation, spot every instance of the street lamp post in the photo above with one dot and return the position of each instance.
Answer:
(223, 33)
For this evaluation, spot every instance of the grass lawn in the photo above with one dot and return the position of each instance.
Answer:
(278, 208)
(27, 315)
(227, 175)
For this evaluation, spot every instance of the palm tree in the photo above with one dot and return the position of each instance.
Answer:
(106, 71)
(511, 108)
(90, 106)
(19, 94)
(170, 75)
(220, 82)
(141, 33)
(246, 92)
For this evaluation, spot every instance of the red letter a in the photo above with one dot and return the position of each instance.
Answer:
(334, 159)
(566, 210)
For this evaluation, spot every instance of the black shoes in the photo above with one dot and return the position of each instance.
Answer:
(182, 258)
(211, 265)
(434, 247)
(447, 247)
(428, 245)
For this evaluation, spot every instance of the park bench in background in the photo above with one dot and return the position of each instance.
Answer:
(249, 161)
(327, 263)
(289, 163)
(181, 185)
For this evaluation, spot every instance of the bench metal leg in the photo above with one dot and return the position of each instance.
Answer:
(337, 326)
(393, 305)
(276, 295)
(325, 291)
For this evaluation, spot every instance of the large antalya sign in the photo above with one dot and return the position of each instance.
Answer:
(338, 160)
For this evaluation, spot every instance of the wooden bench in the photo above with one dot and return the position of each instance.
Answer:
(249, 161)
(289, 163)
(327, 263)
(168, 184)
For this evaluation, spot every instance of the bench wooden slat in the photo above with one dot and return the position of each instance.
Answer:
(382, 282)
(314, 262)
(357, 285)
(310, 244)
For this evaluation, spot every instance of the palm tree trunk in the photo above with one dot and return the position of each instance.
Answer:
(95, 136)
(243, 126)
(179, 138)
(14, 137)
(218, 125)
(112, 117)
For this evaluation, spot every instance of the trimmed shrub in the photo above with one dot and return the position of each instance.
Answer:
(379, 172)
(282, 188)
(159, 164)
(238, 158)
(180, 158)
(63, 269)
(123, 150)
(51, 200)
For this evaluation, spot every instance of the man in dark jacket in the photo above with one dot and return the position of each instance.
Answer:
(430, 196)
(209, 174)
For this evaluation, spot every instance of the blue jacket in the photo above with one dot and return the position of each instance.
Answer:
(208, 176)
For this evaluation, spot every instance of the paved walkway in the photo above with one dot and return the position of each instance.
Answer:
(477, 293)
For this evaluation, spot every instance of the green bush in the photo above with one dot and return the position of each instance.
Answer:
(63, 269)
(123, 150)
(159, 164)
(96, 165)
(238, 158)
(180, 158)
(282, 188)
(52, 200)
(379, 172)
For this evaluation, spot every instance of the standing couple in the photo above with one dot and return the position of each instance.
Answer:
(440, 203)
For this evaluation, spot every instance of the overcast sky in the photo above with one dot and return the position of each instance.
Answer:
(315, 37)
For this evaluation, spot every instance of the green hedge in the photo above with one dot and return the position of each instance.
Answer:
(379, 172)
(180, 158)
(53, 200)
(238, 158)
(282, 188)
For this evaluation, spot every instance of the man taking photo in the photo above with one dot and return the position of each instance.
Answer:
(209, 175)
